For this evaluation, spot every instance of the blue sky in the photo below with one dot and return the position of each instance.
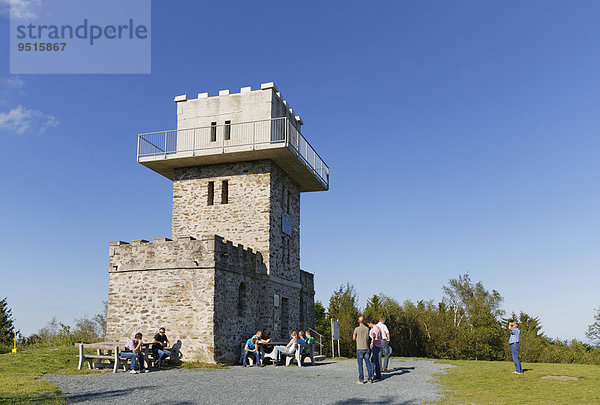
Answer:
(461, 136)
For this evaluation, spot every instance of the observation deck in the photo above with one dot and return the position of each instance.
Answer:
(277, 139)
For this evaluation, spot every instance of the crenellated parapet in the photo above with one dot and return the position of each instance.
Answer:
(184, 253)
(308, 281)
(281, 108)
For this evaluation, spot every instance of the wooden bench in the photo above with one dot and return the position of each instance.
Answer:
(104, 351)
(110, 351)
(297, 355)
(300, 356)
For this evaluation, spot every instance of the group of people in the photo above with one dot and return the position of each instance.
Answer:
(134, 352)
(262, 337)
(372, 343)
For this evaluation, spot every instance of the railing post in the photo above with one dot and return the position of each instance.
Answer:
(166, 144)
(194, 143)
(285, 122)
(138, 148)
(253, 135)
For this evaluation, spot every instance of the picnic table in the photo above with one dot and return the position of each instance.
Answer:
(107, 351)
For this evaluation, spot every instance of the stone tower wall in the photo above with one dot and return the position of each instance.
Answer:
(260, 195)
(284, 254)
(186, 286)
(244, 219)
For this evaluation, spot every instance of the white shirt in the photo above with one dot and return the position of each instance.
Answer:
(384, 331)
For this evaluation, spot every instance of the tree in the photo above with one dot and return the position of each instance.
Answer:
(7, 329)
(343, 307)
(322, 326)
(476, 318)
(593, 332)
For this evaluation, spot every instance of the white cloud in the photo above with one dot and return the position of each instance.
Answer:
(20, 9)
(21, 120)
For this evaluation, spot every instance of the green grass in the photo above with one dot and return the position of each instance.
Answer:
(20, 372)
(197, 364)
(487, 382)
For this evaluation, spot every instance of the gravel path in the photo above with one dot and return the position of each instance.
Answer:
(327, 382)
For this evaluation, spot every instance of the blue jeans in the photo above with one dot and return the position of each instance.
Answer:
(135, 357)
(376, 360)
(514, 349)
(162, 354)
(256, 355)
(360, 356)
(386, 352)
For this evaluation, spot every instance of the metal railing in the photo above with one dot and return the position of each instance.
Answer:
(234, 137)
(320, 342)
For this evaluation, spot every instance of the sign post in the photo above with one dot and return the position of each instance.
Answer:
(15, 350)
(335, 335)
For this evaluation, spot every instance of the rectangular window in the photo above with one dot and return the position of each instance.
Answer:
(225, 192)
(213, 131)
(211, 193)
(227, 130)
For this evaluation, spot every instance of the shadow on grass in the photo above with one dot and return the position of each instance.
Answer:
(42, 397)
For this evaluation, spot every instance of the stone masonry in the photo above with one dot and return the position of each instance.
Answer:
(233, 263)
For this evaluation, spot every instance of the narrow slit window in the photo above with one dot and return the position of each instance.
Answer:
(225, 192)
(211, 193)
(227, 130)
(213, 132)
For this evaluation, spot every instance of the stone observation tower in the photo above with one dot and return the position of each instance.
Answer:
(238, 163)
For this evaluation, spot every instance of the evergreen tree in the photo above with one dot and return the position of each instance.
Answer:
(7, 329)
(343, 307)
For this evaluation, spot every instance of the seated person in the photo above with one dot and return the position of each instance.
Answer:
(289, 349)
(133, 351)
(160, 344)
(264, 337)
(251, 348)
(257, 335)
(310, 340)
(301, 338)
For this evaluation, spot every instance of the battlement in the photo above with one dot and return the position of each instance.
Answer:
(289, 112)
(184, 253)
(307, 280)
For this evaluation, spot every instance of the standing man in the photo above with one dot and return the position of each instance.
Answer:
(361, 336)
(133, 351)
(160, 344)
(386, 350)
(375, 335)
(513, 341)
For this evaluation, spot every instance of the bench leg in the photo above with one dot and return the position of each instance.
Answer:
(81, 356)
(116, 365)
